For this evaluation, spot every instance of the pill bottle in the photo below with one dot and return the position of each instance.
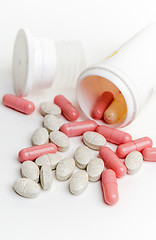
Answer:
(130, 70)
(39, 61)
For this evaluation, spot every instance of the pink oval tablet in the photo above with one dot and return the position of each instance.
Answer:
(68, 110)
(112, 161)
(34, 152)
(18, 103)
(137, 145)
(114, 135)
(78, 128)
(149, 154)
(109, 187)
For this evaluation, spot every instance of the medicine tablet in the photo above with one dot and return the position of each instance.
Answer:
(65, 169)
(30, 170)
(60, 140)
(82, 156)
(40, 136)
(149, 154)
(51, 159)
(94, 140)
(46, 177)
(51, 122)
(49, 108)
(133, 162)
(94, 169)
(78, 182)
(26, 187)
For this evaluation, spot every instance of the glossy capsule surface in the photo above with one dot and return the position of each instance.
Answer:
(109, 187)
(32, 153)
(18, 103)
(137, 145)
(112, 161)
(78, 128)
(101, 105)
(114, 135)
(149, 154)
(68, 110)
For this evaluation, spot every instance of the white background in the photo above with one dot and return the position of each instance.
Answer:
(102, 26)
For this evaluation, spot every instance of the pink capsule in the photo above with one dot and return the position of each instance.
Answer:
(68, 110)
(112, 161)
(149, 154)
(34, 152)
(114, 135)
(109, 187)
(101, 104)
(78, 128)
(137, 145)
(18, 103)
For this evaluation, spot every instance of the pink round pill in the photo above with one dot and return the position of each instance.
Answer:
(34, 152)
(78, 128)
(112, 161)
(149, 154)
(18, 103)
(114, 135)
(68, 110)
(109, 187)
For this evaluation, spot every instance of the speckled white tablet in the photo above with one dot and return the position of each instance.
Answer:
(82, 156)
(65, 169)
(60, 140)
(133, 162)
(30, 170)
(78, 182)
(51, 159)
(51, 122)
(49, 108)
(94, 169)
(46, 177)
(94, 140)
(40, 136)
(26, 187)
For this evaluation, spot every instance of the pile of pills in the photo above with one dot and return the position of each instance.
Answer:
(39, 160)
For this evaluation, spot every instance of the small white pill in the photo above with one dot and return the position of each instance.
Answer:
(26, 187)
(40, 136)
(30, 170)
(49, 108)
(46, 177)
(94, 140)
(94, 169)
(60, 140)
(51, 122)
(65, 169)
(82, 156)
(51, 159)
(78, 182)
(133, 162)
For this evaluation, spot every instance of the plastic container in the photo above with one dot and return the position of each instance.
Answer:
(130, 70)
(37, 62)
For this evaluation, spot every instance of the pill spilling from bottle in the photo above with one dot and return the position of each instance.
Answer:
(38, 161)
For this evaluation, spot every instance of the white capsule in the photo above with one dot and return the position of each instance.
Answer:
(26, 187)
(51, 159)
(82, 156)
(46, 177)
(78, 182)
(51, 122)
(133, 162)
(65, 169)
(40, 136)
(49, 108)
(94, 140)
(60, 140)
(30, 170)
(94, 169)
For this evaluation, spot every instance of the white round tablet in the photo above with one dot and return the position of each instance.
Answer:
(51, 122)
(65, 169)
(94, 169)
(133, 162)
(60, 140)
(46, 177)
(49, 108)
(94, 140)
(82, 156)
(78, 182)
(51, 159)
(30, 170)
(40, 136)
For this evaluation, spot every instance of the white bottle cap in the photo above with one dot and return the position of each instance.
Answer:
(34, 62)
